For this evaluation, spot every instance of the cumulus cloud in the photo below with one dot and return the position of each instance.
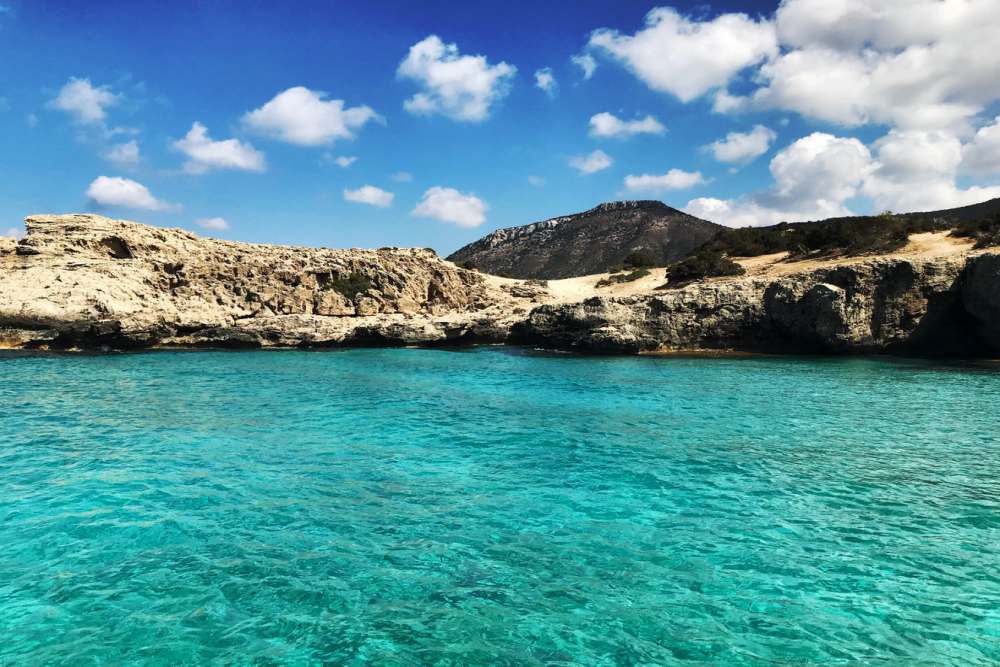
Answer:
(816, 177)
(687, 58)
(606, 124)
(450, 205)
(114, 191)
(742, 147)
(205, 154)
(916, 171)
(909, 64)
(675, 179)
(914, 64)
(305, 117)
(546, 81)
(212, 224)
(122, 155)
(982, 154)
(85, 102)
(460, 87)
(813, 179)
(369, 194)
(592, 163)
(587, 64)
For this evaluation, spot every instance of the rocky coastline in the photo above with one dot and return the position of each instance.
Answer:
(92, 283)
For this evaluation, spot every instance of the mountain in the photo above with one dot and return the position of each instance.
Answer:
(594, 241)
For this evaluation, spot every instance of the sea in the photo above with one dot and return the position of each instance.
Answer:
(497, 506)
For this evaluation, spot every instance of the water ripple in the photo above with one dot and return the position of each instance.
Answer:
(424, 507)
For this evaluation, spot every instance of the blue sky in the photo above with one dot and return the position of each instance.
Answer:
(885, 105)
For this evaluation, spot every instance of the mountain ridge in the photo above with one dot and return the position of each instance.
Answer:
(592, 241)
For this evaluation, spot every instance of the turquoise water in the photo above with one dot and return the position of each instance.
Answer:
(493, 507)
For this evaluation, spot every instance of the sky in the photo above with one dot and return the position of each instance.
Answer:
(396, 123)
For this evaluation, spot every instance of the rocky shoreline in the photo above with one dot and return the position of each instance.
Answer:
(92, 283)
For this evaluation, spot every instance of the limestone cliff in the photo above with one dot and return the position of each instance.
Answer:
(941, 306)
(89, 282)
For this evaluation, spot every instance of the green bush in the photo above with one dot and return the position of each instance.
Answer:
(622, 278)
(985, 231)
(703, 264)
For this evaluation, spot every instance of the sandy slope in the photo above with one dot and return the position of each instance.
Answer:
(920, 246)
(571, 290)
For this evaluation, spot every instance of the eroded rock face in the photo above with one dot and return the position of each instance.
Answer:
(709, 316)
(86, 280)
(981, 298)
(876, 306)
(880, 305)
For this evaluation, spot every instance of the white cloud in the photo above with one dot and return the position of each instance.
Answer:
(586, 63)
(813, 179)
(982, 154)
(345, 161)
(123, 155)
(450, 205)
(213, 224)
(909, 64)
(204, 154)
(546, 81)
(402, 177)
(675, 179)
(915, 64)
(85, 102)
(605, 124)
(123, 192)
(13, 232)
(536, 181)
(461, 87)
(592, 163)
(689, 58)
(916, 171)
(369, 194)
(305, 118)
(742, 147)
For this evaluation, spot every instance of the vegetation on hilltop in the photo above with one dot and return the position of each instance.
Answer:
(836, 237)
(985, 232)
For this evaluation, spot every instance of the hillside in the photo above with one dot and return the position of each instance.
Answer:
(836, 237)
(594, 241)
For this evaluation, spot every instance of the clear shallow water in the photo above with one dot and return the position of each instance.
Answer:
(490, 507)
